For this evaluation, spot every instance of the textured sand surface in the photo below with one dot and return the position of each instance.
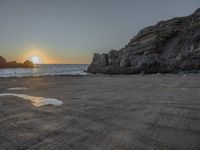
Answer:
(152, 112)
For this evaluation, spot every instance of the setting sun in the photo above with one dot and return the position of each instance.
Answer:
(35, 60)
(37, 56)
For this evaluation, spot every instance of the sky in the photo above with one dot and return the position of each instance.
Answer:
(70, 31)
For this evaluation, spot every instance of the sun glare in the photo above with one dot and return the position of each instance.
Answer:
(35, 59)
(37, 56)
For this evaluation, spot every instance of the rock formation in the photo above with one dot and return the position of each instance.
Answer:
(28, 64)
(14, 64)
(2, 62)
(170, 46)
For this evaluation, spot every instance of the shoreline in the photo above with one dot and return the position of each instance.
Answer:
(102, 75)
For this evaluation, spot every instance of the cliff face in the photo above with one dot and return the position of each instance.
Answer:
(168, 47)
(14, 64)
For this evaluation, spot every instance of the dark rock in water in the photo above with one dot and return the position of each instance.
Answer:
(14, 64)
(2, 61)
(170, 46)
(28, 64)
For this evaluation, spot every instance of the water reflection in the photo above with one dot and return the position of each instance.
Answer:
(17, 88)
(36, 101)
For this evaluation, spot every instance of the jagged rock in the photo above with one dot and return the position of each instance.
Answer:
(170, 46)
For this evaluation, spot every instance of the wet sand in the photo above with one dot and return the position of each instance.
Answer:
(150, 112)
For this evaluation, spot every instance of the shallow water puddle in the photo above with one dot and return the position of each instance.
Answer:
(17, 88)
(36, 101)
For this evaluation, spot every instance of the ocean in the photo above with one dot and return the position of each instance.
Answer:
(45, 70)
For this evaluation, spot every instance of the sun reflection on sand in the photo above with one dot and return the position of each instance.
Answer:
(36, 101)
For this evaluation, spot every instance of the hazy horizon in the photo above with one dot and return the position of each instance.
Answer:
(69, 32)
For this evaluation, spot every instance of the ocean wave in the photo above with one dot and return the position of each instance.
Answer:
(45, 70)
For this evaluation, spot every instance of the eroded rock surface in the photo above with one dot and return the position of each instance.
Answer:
(170, 46)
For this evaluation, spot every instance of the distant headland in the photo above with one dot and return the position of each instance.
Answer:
(14, 64)
(170, 46)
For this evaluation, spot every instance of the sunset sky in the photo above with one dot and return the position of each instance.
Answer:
(70, 31)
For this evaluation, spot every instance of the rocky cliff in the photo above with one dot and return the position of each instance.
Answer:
(14, 64)
(170, 46)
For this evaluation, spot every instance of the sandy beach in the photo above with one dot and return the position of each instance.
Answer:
(136, 112)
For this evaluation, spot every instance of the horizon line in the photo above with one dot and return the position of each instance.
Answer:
(62, 64)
